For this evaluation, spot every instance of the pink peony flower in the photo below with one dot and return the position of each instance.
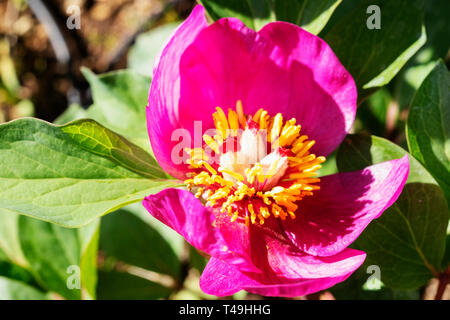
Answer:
(269, 224)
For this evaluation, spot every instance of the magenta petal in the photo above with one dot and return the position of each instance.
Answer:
(335, 215)
(181, 211)
(222, 279)
(267, 249)
(287, 261)
(162, 111)
(322, 93)
(229, 62)
(282, 68)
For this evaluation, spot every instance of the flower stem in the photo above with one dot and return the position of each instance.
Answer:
(444, 280)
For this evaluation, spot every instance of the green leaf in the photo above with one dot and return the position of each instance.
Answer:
(124, 286)
(16, 290)
(196, 260)
(148, 45)
(62, 260)
(355, 288)
(417, 69)
(373, 115)
(11, 270)
(71, 174)
(311, 15)
(436, 19)
(52, 252)
(308, 14)
(407, 242)
(428, 126)
(120, 98)
(99, 140)
(176, 241)
(9, 237)
(374, 56)
(129, 239)
(89, 240)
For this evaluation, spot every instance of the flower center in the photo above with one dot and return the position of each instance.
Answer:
(254, 167)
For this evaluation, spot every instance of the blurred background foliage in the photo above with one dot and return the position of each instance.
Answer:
(138, 257)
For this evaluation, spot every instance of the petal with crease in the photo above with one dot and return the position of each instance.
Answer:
(330, 220)
(222, 279)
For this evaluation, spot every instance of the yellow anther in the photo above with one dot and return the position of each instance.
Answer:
(265, 212)
(211, 143)
(276, 127)
(253, 172)
(257, 115)
(208, 167)
(199, 192)
(313, 168)
(289, 133)
(240, 113)
(291, 214)
(221, 122)
(261, 219)
(302, 175)
(305, 148)
(263, 120)
(252, 213)
(235, 175)
(233, 192)
(300, 160)
(298, 144)
(233, 121)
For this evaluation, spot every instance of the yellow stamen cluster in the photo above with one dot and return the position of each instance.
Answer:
(242, 195)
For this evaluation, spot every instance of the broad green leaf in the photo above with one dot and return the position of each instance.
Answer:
(120, 98)
(374, 56)
(407, 242)
(54, 255)
(312, 15)
(99, 140)
(62, 260)
(9, 237)
(148, 45)
(124, 286)
(417, 69)
(89, 239)
(438, 32)
(355, 288)
(428, 127)
(373, 115)
(176, 241)
(129, 239)
(17, 266)
(196, 260)
(15, 290)
(410, 79)
(71, 174)
(11, 270)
